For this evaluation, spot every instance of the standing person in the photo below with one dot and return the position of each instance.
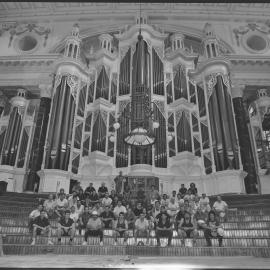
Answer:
(107, 218)
(94, 228)
(102, 190)
(141, 228)
(220, 207)
(120, 227)
(164, 229)
(119, 208)
(66, 227)
(49, 205)
(187, 229)
(213, 229)
(41, 225)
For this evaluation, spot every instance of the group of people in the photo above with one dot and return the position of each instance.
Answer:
(91, 213)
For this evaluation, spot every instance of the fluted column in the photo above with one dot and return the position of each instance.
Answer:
(12, 137)
(39, 136)
(242, 121)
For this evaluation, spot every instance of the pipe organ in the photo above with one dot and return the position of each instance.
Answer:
(197, 139)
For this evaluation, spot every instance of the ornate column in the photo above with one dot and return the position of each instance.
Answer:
(242, 121)
(39, 136)
(11, 143)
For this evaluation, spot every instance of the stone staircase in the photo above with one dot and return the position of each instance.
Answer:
(247, 232)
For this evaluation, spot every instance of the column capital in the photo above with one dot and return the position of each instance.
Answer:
(237, 89)
(45, 90)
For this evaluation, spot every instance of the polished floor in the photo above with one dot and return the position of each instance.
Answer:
(82, 261)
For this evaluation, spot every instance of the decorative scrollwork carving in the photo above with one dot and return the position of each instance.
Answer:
(73, 83)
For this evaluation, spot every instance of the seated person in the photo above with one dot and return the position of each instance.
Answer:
(107, 218)
(127, 192)
(119, 208)
(196, 205)
(173, 194)
(98, 207)
(193, 189)
(200, 218)
(187, 207)
(141, 195)
(41, 225)
(138, 210)
(81, 196)
(213, 229)
(179, 199)
(89, 190)
(179, 216)
(72, 199)
(102, 190)
(156, 209)
(76, 187)
(120, 227)
(87, 201)
(130, 218)
(158, 216)
(115, 201)
(189, 196)
(66, 227)
(79, 207)
(153, 195)
(141, 228)
(149, 217)
(164, 228)
(61, 192)
(172, 207)
(83, 219)
(165, 200)
(113, 194)
(187, 229)
(106, 201)
(33, 215)
(220, 207)
(93, 228)
(74, 215)
(205, 203)
(61, 205)
(93, 198)
(49, 205)
(183, 189)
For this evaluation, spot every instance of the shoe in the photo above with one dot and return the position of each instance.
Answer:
(33, 243)
(84, 243)
(101, 243)
(50, 243)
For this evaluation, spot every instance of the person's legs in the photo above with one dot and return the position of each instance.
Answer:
(170, 235)
(158, 234)
(59, 234)
(194, 235)
(220, 239)
(136, 234)
(100, 234)
(207, 235)
(86, 235)
(125, 235)
(182, 235)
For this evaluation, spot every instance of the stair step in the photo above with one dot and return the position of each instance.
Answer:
(227, 233)
(10, 249)
(78, 240)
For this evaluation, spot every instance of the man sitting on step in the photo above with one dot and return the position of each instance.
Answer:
(107, 217)
(141, 228)
(61, 205)
(93, 228)
(120, 227)
(66, 227)
(41, 225)
(187, 229)
(164, 228)
(33, 215)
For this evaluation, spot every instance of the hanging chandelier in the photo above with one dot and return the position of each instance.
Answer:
(140, 114)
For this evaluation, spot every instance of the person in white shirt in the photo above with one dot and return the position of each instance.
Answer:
(141, 228)
(72, 199)
(79, 208)
(49, 205)
(220, 207)
(189, 196)
(165, 201)
(61, 205)
(205, 203)
(180, 199)
(106, 201)
(118, 209)
(173, 207)
(74, 215)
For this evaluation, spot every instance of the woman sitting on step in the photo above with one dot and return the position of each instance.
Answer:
(213, 229)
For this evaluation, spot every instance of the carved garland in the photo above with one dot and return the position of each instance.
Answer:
(213, 80)
(73, 83)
